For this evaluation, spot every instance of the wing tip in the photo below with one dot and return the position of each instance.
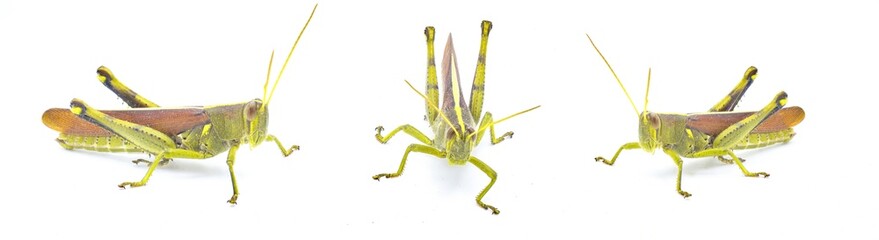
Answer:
(797, 115)
(53, 118)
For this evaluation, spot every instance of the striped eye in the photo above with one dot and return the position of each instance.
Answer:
(251, 110)
(450, 134)
(654, 120)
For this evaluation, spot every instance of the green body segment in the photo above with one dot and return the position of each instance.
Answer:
(97, 143)
(758, 140)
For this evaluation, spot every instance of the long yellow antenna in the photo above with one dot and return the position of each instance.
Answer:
(265, 87)
(501, 120)
(647, 93)
(283, 67)
(637, 113)
(434, 107)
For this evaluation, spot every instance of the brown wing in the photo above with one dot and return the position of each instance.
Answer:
(452, 78)
(171, 121)
(713, 123)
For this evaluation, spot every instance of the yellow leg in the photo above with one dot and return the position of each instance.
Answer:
(735, 159)
(477, 92)
(408, 129)
(230, 161)
(170, 153)
(627, 146)
(285, 151)
(146, 177)
(680, 163)
(729, 102)
(742, 166)
(486, 120)
(412, 148)
(432, 87)
(491, 174)
(126, 94)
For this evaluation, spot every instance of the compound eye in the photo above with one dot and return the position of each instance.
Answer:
(251, 110)
(653, 119)
(450, 133)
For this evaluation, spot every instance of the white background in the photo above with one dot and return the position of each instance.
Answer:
(346, 78)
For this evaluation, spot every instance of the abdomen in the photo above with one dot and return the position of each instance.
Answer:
(97, 143)
(758, 140)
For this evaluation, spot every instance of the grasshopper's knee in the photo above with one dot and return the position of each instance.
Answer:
(429, 33)
(486, 27)
(105, 75)
(781, 98)
(78, 107)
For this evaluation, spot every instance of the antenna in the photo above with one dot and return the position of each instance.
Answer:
(481, 129)
(283, 67)
(637, 113)
(647, 93)
(265, 87)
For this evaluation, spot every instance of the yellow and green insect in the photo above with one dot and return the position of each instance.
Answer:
(186, 132)
(453, 125)
(713, 134)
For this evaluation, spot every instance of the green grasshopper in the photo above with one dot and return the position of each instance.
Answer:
(188, 132)
(714, 134)
(453, 126)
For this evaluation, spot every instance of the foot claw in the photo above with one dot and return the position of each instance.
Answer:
(378, 177)
(130, 184)
(378, 134)
(233, 200)
(502, 138)
(494, 210)
(685, 194)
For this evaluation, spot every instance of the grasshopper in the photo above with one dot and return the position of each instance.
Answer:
(713, 134)
(455, 134)
(186, 132)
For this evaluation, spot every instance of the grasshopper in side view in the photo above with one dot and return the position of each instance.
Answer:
(453, 125)
(187, 132)
(713, 134)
